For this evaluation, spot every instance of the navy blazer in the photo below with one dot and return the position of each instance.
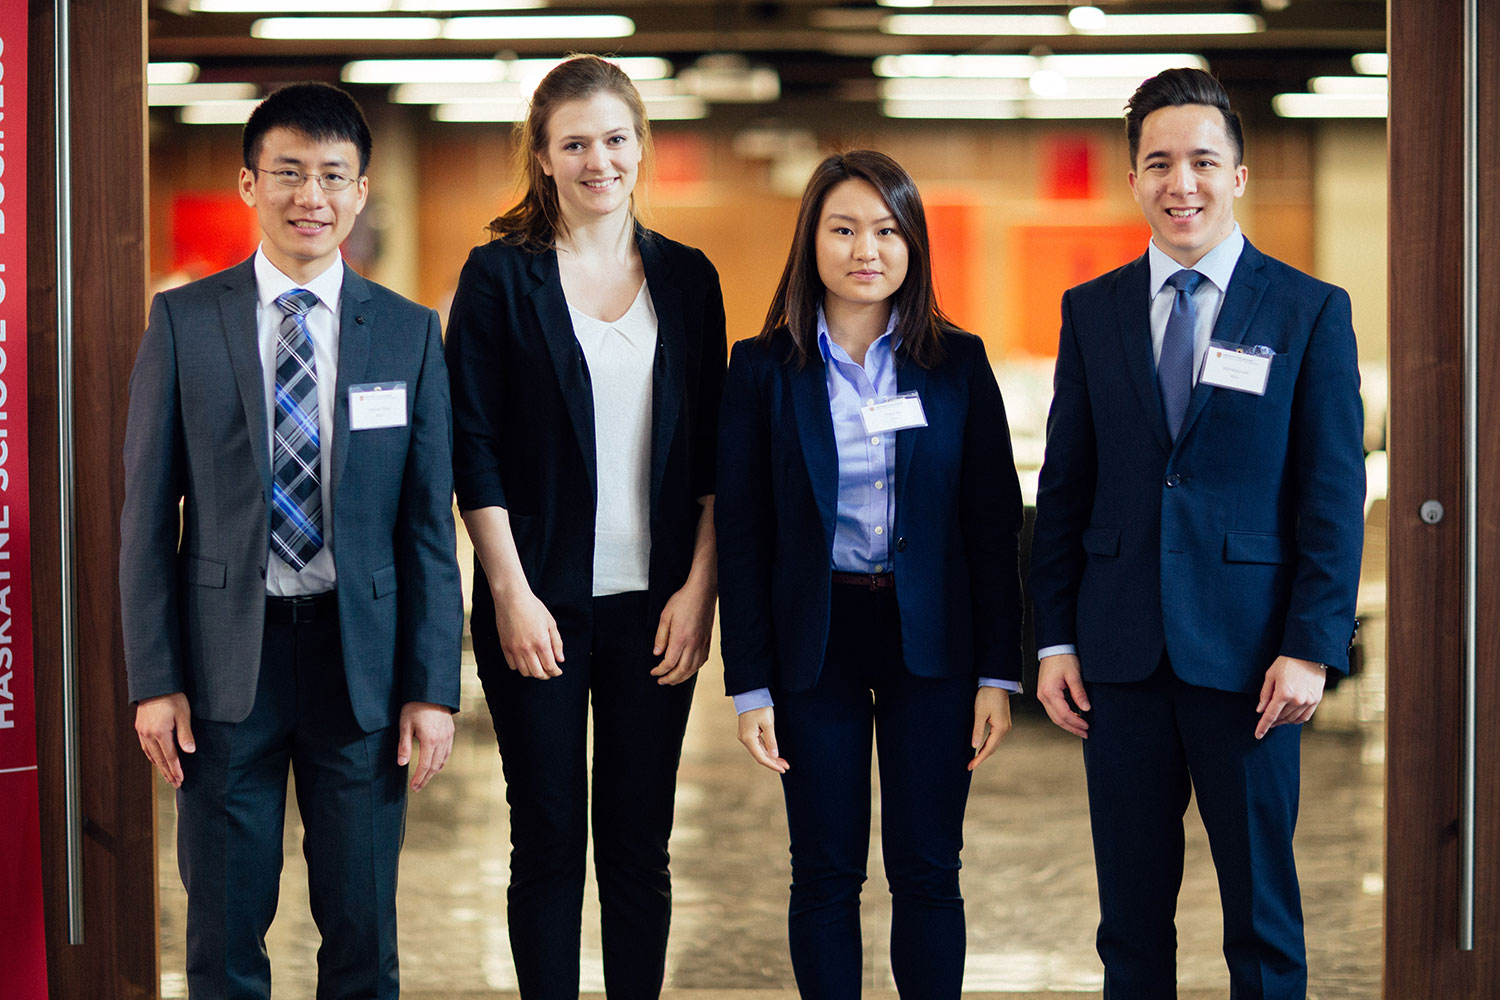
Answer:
(193, 601)
(1237, 544)
(958, 515)
(523, 413)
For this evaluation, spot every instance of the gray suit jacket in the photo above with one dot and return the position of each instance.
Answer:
(193, 601)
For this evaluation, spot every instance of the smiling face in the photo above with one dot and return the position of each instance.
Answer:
(1186, 180)
(593, 155)
(303, 226)
(861, 253)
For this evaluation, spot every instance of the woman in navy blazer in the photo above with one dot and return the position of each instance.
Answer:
(868, 572)
(587, 361)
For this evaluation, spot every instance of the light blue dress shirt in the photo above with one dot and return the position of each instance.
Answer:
(866, 512)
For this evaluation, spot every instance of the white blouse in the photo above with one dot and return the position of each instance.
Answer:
(620, 356)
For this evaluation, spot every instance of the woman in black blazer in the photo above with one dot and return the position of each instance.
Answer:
(868, 512)
(587, 360)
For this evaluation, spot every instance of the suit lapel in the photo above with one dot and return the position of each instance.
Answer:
(567, 357)
(815, 429)
(668, 374)
(237, 313)
(1133, 314)
(910, 377)
(356, 322)
(1246, 286)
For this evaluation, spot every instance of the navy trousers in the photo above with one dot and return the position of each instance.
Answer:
(1152, 745)
(542, 729)
(921, 727)
(230, 814)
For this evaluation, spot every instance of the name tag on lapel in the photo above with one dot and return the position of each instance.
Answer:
(1232, 366)
(373, 405)
(893, 413)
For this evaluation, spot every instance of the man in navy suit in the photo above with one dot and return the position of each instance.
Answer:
(302, 612)
(1197, 548)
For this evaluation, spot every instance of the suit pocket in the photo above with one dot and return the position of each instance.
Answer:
(1256, 547)
(203, 572)
(1101, 541)
(384, 581)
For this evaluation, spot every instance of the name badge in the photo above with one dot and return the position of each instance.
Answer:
(1234, 366)
(373, 405)
(893, 413)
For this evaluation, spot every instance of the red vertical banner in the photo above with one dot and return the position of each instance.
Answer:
(23, 952)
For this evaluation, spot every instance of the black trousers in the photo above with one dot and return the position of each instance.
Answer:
(230, 814)
(542, 729)
(921, 728)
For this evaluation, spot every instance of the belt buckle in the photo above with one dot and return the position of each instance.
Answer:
(304, 608)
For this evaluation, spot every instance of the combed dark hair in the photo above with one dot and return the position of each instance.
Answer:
(921, 324)
(535, 221)
(1173, 88)
(319, 111)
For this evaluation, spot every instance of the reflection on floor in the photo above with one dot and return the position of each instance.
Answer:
(1028, 872)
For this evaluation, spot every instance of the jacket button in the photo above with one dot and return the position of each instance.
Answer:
(900, 545)
(1173, 479)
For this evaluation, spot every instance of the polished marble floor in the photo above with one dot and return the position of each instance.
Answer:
(1028, 875)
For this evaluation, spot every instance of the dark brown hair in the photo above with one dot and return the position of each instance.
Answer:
(921, 324)
(1174, 88)
(535, 220)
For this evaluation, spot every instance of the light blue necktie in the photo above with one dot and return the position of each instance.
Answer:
(1174, 372)
(296, 492)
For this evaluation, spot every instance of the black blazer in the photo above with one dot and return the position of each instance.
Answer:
(958, 514)
(523, 415)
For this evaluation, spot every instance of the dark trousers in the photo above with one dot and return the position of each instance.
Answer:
(230, 813)
(542, 728)
(1151, 746)
(923, 727)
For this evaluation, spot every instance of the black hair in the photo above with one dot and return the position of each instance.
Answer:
(1176, 87)
(317, 110)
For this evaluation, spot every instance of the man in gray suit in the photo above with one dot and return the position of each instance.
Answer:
(304, 612)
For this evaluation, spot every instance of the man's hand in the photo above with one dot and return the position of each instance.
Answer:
(684, 633)
(758, 733)
(991, 709)
(162, 724)
(1060, 675)
(528, 634)
(432, 727)
(1290, 694)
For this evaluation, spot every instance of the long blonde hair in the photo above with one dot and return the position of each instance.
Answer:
(535, 221)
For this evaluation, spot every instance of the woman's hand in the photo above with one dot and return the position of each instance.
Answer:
(758, 733)
(992, 710)
(685, 632)
(528, 634)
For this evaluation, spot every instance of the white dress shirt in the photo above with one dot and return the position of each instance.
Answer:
(323, 329)
(620, 357)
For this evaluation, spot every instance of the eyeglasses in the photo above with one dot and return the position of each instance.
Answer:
(287, 177)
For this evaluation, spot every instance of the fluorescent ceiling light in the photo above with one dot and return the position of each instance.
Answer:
(216, 112)
(423, 71)
(1365, 86)
(171, 72)
(1168, 24)
(168, 94)
(330, 28)
(540, 26)
(730, 79)
(1122, 65)
(1330, 105)
(664, 108)
(1087, 18)
(953, 90)
(1032, 107)
(354, 6)
(1372, 63)
(423, 6)
(500, 92)
(974, 24)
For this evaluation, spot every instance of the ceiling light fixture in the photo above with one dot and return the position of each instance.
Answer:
(540, 26)
(320, 29)
(974, 24)
(159, 95)
(216, 112)
(171, 72)
(1372, 63)
(1330, 105)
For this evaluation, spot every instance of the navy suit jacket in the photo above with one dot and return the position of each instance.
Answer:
(1239, 542)
(958, 514)
(193, 602)
(523, 411)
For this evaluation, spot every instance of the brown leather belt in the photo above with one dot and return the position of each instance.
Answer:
(869, 581)
(303, 609)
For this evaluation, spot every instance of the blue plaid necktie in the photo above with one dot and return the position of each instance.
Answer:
(296, 495)
(1174, 371)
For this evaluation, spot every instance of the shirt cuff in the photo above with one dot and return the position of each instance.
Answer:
(745, 702)
(1047, 651)
(1013, 687)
